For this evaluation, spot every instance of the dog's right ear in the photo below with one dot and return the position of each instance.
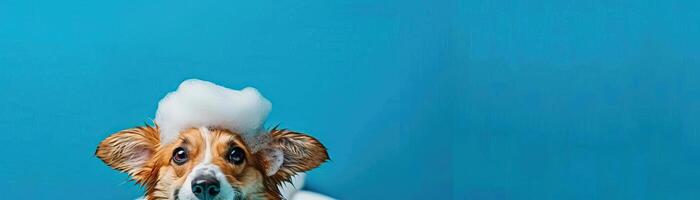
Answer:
(129, 150)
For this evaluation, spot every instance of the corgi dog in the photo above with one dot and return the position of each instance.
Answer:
(211, 163)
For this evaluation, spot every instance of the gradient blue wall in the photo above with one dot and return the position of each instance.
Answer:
(370, 79)
(583, 100)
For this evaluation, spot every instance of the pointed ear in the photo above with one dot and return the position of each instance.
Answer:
(289, 153)
(129, 150)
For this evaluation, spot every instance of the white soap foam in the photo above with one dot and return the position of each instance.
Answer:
(198, 103)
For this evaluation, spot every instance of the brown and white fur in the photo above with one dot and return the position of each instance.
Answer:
(139, 152)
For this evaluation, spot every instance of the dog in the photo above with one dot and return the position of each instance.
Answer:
(208, 142)
(210, 163)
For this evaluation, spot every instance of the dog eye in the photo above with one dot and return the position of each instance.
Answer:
(236, 155)
(180, 156)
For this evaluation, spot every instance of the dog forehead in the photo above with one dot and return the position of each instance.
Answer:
(200, 137)
(192, 135)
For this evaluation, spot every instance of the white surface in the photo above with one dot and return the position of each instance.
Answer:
(306, 195)
(288, 189)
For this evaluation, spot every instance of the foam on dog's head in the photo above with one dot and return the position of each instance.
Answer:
(198, 103)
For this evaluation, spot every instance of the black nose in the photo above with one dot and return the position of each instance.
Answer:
(205, 187)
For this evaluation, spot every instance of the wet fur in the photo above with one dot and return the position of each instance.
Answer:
(161, 178)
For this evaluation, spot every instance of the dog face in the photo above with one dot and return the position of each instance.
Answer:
(210, 164)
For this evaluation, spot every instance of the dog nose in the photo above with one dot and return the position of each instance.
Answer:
(205, 187)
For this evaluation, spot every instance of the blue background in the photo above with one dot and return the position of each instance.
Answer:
(415, 99)
(379, 83)
(582, 100)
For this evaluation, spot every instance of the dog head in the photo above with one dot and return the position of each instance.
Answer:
(211, 163)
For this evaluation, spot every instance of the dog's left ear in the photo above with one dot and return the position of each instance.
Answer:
(289, 153)
(129, 150)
